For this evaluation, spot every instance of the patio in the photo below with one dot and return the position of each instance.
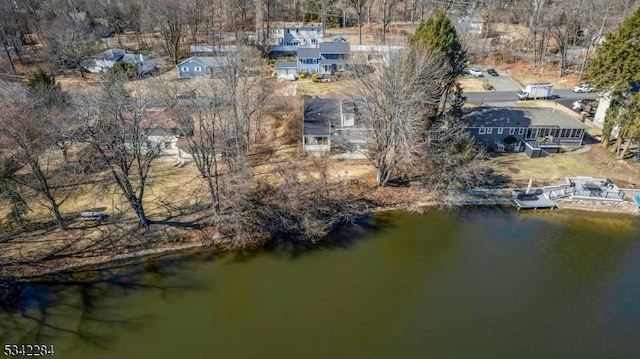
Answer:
(587, 188)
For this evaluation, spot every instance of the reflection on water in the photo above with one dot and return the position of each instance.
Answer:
(481, 283)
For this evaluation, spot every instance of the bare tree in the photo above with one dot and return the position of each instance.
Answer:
(246, 91)
(194, 13)
(116, 125)
(169, 16)
(29, 138)
(395, 104)
(68, 43)
(204, 137)
(387, 8)
(358, 6)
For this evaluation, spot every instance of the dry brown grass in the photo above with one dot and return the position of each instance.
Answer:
(335, 89)
(524, 73)
(472, 84)
(596, 162)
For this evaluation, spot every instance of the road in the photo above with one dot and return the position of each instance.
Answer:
(563, 97)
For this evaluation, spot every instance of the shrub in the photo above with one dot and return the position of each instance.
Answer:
(124, 69)
(487, 86)
(302, 75)
(314, 77)
(510, 140)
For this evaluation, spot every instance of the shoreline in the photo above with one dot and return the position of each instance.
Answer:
(25, 273)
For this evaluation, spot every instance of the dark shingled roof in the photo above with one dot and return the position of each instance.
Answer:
(520, 117)
(318, 115)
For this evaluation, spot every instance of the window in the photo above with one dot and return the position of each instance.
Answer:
(482, 130)
(184, 69)
(198, 69)
(500, 130)
(489, 131)
(521, 131)
(512, 131)
(313, 41)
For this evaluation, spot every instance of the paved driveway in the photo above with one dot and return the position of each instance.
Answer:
(500, 83)
(503, 82)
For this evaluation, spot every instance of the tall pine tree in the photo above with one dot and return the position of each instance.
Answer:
(437, 34)
(616, 68)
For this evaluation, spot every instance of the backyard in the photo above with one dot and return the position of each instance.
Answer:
(591, 160)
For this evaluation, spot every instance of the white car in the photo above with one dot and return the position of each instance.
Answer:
(475, 72)
(577, 106)
(583, 87)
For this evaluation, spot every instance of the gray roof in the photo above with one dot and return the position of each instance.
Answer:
(286, 64)
(335, 47)
(132, 58)
(210, 61)
(520, 117)
(308, 52)
(318, 115)
(111, 54)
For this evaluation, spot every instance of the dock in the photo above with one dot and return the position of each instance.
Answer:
(537, 202)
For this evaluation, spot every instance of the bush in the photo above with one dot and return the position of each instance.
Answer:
(314, 77)
(302, 75)
(510, 140)
(124, 69)
(487, 86)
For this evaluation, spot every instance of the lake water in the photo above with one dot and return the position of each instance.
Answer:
(482, 283)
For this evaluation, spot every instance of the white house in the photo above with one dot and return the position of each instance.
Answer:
(107, 59)
(293, 35)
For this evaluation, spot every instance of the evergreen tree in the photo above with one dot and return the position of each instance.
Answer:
(44, 92)
(438, 35)
(616, 68)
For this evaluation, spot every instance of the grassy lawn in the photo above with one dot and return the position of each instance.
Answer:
(335, 89)
(596, 162)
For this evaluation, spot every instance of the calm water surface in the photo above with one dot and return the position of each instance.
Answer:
(477, 284)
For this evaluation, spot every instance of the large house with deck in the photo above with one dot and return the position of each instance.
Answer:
(535, 130)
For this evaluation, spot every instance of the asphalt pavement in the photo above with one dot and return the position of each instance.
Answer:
(508, 98)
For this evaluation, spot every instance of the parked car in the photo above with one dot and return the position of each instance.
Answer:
(584, 105)
(493, 72)
(475, 72)
(583, 87)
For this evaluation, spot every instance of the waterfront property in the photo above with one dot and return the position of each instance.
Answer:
(333, 125)
(536, 131)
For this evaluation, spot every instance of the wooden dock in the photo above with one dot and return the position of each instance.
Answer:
(540, 202)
